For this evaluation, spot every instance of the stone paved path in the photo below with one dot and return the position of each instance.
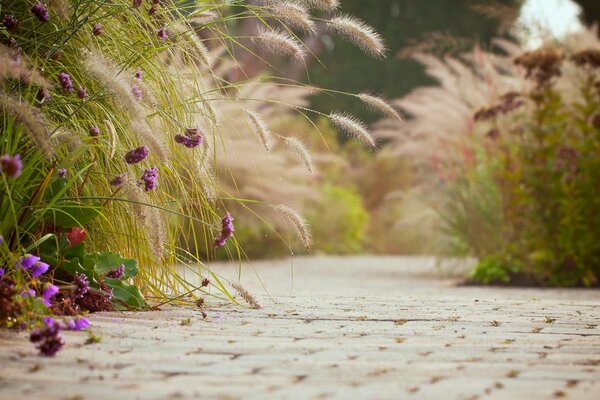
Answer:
(343, 328)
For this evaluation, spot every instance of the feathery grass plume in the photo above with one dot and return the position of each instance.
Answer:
(261, 128)
(299, 223)
(298, 147)
(148, 216)
(109, 75)
(205, 17)
(247, 296)
(358, 32)
(145, 132)
(187, 31)
(293, 15)
(352, 127)
(61, 8)
(112, 138)
(13, 66)
(378, 104)
(278, 42)
(33, 120)
(326, 5)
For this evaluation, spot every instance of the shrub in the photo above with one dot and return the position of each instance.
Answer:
(506, 148)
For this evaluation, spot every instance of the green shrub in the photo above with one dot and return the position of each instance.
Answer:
(339, 221)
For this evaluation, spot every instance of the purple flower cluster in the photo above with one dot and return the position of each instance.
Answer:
(49, 292)
(119, 180)
(62, 172)
(65, 81)
(192, 138)
(136, 92)
(10, 22)
(82, 285)
(48, 339)
(116, 273)
(94, 131)
(40, 11)
(150, 178)
(11, 166)
(137, 155)
(33, 263)
(139, 74)
(226, 231)
(162, 34)
(98, 30)
(82, 93)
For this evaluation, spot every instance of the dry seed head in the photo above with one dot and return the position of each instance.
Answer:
(293, 15)
(353, 127)
(278, 42)
(246, 296)
(33, 120)
(260, 127)
(360, 33)
(298, 222)
(298, 147)
(378, 104)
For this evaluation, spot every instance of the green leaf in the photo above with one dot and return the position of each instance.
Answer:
(74, 266)
(72, 215)
(126, 293)
(104, 262)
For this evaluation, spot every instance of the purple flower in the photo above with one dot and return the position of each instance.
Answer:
(27, 261)
(40, 11)
(94, 131)
(81, 93)
(82, 285)
(10, 22)
(2, 271)
(137, 155)
(226, 231)
(48, 339)
(162, 34)
(65, 81)
(62, 172)
(150, 178)
(77, 324)
(43, 95)
(116, 273)
(82, 324)
(49, 291)
(137, 3)
(11, 166)
(39, 269)
(152, 10)
(28, 293)
(193, 138)
(136, 92)
(139, 74)
(98, 30)
(119, 180)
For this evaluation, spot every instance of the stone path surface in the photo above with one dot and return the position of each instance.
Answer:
(341, 328)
